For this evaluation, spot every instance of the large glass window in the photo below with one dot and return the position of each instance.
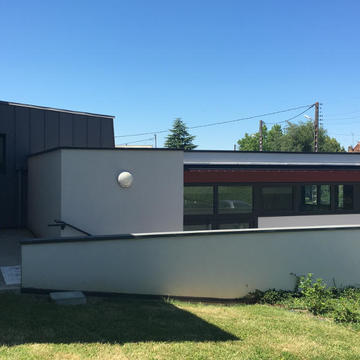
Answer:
(277, 197)
(234, 199)
(198, 200)
(240, 225)
(197, 227)
(344, 197)
(316, 197)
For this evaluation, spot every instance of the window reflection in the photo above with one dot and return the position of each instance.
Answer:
(234, 199)
(316, 197)
(344, 197)
(198, 200)
(277, 197)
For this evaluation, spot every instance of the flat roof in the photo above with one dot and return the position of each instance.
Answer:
(239, 158)
(224, 158)
(56, 109)
(101, 149)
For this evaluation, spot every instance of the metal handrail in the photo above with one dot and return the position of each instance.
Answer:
(64, 224)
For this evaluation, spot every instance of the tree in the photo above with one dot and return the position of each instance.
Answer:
(295, 137)
(180, 137)
(273, 139)
(250, 142)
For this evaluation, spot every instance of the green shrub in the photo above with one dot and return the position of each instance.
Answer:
(346, 310)
(275, 296)
(341, 304)
(316, 293)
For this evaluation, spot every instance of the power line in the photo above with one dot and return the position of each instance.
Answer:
(230, 121)
(347, 113)
(337, 134)
(134, 142)
(256, 116)
(347, 118)
(292, 118)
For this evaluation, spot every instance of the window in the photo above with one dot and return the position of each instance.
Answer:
(234, 199)
(277, 197)
(198, 200)
(197, 227)
(241, 225)
(2, 152)
(316, 197)
(344, 197)
(210, 207)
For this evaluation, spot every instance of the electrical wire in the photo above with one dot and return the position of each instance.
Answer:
(348, 113)
(347, 118)
(134, 142)
(230, 121)
(292, 118)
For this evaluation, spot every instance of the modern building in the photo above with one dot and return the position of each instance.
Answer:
(61, 165)
(28, 129)
(226, 190)
(173, 190)
(112, 220)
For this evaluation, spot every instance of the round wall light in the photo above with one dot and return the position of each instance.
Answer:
(125, 179)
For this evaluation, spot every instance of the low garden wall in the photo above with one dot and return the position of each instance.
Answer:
(223, 264)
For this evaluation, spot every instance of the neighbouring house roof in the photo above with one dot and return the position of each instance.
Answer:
(356, 148)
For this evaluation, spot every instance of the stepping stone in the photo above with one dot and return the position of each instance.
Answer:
(68, 298)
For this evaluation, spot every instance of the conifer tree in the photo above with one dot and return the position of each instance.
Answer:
(180, 137)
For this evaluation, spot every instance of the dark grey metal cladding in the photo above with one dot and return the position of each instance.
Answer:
(8, 181)
(31, 129)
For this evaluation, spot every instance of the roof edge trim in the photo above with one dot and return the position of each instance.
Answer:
(56, 109)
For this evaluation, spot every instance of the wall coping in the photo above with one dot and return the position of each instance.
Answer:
(145, 236)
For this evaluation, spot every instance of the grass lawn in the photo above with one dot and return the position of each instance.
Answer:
(117, 328)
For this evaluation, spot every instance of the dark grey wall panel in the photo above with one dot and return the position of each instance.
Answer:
(7, 127)
(79, 131)
(22, 133)
(94, 131)
(7, 178)
(30, 129)
(66, 129)
(51, 129)
(8, 201)
(107, 133)
(37, 130)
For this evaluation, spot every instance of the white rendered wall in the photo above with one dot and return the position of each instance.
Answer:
(92, 200)
(44, 193)
(219, 264)
(308, 220)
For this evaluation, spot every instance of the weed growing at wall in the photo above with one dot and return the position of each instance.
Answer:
(340, 304)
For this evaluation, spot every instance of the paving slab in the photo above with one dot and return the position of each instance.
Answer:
(68, 297)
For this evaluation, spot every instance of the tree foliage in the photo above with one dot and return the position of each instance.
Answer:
(180, 137)
(293, 138)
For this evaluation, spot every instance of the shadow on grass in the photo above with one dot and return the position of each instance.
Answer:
(33, 319)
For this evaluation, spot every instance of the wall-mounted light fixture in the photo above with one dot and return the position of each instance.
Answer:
(125, 179)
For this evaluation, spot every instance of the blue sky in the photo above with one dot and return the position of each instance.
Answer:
(148, 62)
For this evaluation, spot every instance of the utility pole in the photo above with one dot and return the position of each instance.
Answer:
(155, 141)
(316, 128)
(261, 135)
